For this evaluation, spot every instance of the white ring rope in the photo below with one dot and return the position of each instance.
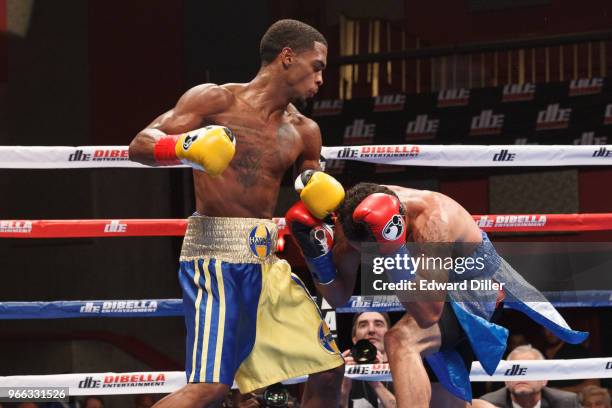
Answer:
(65, 157)
(152, 382)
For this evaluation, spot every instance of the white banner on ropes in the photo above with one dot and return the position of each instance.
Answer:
(65, 157)
(534, 370)
(154, 382)
(102, 383)
(475, 155)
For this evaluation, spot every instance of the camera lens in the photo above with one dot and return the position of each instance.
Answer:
(276, 395)
(364, 352)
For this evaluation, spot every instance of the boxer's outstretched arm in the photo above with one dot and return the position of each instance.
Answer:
(190, 112)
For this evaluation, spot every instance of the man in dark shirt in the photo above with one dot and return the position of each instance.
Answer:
(559, 350)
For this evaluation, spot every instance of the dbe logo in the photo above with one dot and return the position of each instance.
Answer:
(89, 382)
(387, 103)
(553, 118)
(453, 97)
(327, 107)
(115, 226)
(358, 369)
(422, 128)
(90, 307)
(518, 92)
(585, 86)
(588, 138)
(609, 365)
(602, 152)
(516, 370)
(347, 152)
(359, 132)
(259, 241)
(504, 156)
(608, 115)
(78, 155)
(487, 124)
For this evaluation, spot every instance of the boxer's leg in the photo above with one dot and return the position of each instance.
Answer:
(195, 395)
(406, 344)
(210, 303)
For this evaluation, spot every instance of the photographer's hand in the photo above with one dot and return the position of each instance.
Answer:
(383, 394)
(249, 401)
(347, 383)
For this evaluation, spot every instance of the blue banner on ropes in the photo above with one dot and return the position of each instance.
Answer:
(174, 307)
(91, 308)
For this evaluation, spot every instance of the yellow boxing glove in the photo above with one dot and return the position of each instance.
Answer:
(209, 149)
(320, 192)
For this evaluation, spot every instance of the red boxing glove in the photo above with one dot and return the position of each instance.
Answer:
(314, 237)
(382, 214)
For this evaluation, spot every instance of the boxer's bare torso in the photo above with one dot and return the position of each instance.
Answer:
(266, 146)
(265, 149)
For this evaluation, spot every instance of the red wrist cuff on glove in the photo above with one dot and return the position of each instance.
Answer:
(164, 150)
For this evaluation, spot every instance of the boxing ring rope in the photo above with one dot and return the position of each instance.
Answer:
(74, 309)
(57, 157)
(167, 381)
(177, 227)
(66, 157)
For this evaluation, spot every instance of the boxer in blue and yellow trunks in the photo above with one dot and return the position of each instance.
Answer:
(247, 317)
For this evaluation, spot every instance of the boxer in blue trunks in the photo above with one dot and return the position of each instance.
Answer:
(248, 318)
(442, 328)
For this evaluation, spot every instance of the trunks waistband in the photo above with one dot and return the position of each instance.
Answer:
(237, 240)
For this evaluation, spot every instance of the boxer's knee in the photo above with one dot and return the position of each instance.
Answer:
(201, 395)
(210, 393)
(409, 337)
(397, 339)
